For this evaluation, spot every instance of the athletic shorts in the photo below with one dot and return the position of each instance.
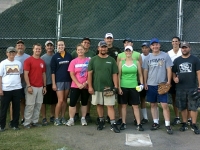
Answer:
(50, 97)
(77, 94)
(61, 86)
(130, 96)
(143, 93)
(173, 87)
(185, 101)
(154, 97)
(98, 98)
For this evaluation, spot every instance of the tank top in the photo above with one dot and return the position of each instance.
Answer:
(129, 75)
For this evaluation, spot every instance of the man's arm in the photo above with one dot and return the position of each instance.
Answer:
(198, 78)
(89, 80)
(145, 73)
(169, 75)
(29, 88)
(44, 83)
(1, 91)
(114, 76)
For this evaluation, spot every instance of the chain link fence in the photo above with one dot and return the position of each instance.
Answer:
(36, 21)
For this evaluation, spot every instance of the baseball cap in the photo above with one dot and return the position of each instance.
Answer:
(20, 41)
(109, 35)
(128, 39)
(86, 38)
(128, 47)
(145, 44)
(154, 40)
(48, 42)
(185, 44)
(102, 43)
(10, 49)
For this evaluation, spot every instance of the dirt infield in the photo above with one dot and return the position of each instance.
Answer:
(88, 138)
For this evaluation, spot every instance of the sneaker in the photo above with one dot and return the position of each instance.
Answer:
(57, 122)
(195, 129)
(69, 123)
(76, 117)
(63, 121)
(36, 125)
(123, 126)
(101, 125)
(169, 129)
(189, 122)
(183, 127)
(155, 126)
(98, 120)
(22, 121)
(135, 122)
(107, 119)
(44, 122)
(27, 126)
(119, 122)
(140, 128)
(176, 121)
(2, 129)
(144, 121)
(88, 118)
(15, 128)
(114, 128)
(52, 119)
(83, 122)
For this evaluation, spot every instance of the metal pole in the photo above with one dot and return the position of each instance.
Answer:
(59, 19)
(180, 19)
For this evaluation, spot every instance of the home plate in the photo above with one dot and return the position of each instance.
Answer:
(138, 140)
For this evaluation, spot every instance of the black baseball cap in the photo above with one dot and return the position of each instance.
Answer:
(128, 39)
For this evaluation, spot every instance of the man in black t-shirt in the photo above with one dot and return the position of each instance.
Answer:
(186, 70)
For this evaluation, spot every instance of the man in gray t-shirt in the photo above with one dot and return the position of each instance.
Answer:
(157, 69)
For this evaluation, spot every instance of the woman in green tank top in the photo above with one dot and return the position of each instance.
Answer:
(129, 72)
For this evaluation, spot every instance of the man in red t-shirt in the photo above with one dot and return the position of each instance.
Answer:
(35, 77)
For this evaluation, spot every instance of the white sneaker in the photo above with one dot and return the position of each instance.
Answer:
(83, 122)
(69, 123)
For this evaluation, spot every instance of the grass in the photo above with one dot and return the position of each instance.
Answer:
(39, 139)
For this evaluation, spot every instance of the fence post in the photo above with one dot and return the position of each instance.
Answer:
(180, 19)
(59, 19)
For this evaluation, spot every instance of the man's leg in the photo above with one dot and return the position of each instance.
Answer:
(16, 108)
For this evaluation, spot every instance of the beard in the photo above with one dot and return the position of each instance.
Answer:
(185, 53)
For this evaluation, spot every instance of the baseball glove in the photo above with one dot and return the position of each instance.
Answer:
(108, 91)
(163, 88)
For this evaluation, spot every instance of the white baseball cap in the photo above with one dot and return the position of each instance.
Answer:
(109, 35)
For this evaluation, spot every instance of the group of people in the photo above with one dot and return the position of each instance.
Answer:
(28, 83)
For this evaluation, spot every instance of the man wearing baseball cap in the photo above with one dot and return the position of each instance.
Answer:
(157, 69)
(10, 88)
(50, 97)
(98, 81)
(186, 72)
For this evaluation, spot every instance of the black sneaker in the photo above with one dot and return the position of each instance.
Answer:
(98, 120)
(36, 125)
(155, 126)
(144, 121)
(114, 128)
(176, 121)
(44, 122)
(119, 122)
(27, 126)
(169, 129)
(2, 129)
(101, 125)
(88, 118)
(183, 127)
(123, 126)
(189, 122)
(52, 119)
(135, 122)
(76, 117)
(195, 129)
(140, 128)
(107, 119)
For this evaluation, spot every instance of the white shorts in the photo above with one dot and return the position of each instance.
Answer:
(98, 98)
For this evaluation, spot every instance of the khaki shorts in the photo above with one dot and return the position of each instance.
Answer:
(98, 99)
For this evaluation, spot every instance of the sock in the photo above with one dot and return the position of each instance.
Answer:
(155, 121)
(72, 119)
(82, 117)
(101, 118)
(144, 113)
(167, 123)
(112, 121)
(158, 112)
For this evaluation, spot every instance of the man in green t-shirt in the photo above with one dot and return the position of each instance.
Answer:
(102, 72)
(88, 53)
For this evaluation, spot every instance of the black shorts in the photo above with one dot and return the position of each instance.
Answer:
(172, 90)
(22, 93)
(50, 97)
(130, 96)
(143, 93)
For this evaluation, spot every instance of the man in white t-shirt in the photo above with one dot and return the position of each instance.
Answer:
(10, 88)
(174, 53)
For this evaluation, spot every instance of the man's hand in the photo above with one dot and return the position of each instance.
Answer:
(176, 80)
(120, 91)
(1, 92)
(54, 87)
(30, 90)
(44, 90)
(91, 90)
